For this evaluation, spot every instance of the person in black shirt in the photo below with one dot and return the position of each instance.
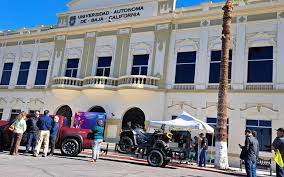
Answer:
(203, 150)
(32, 131)
(250, 150)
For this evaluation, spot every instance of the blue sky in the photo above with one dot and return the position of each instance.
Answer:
(16, 14)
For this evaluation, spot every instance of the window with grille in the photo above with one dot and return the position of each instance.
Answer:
(140, 65)
(72, 67)
(103, 67)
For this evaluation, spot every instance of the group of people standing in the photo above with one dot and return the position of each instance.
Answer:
(39, 129)
(250, 152)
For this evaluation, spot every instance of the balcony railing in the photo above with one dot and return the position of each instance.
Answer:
(259, 86)
(138, 81)
(99, 82)
(183, 86)
(67, 82)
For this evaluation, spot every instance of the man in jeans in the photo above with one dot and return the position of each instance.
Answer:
(203, 150)
(44, 125)
(32, 131)
(250, 148)
(278, 144)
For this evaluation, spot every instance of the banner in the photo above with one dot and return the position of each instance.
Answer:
(87, 120)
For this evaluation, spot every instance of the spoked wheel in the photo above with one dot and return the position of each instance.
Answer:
(70, 147)
(125, 145)
(155, 158)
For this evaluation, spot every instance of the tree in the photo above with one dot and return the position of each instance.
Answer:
(221, 152)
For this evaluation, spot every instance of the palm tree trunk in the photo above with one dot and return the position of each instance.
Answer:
(221, 156)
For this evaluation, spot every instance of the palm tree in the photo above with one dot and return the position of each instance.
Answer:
(221, 153)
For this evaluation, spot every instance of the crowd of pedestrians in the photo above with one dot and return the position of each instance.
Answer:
(39, 129)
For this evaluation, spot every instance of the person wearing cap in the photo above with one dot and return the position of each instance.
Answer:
(278, 144)
(203, 150)
(250, 153)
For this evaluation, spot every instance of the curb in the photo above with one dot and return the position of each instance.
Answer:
(134, 160)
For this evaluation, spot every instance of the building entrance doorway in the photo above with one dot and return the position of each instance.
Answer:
(133, 118)
(66, 112)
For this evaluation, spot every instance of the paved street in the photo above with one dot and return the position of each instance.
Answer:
(58, 166)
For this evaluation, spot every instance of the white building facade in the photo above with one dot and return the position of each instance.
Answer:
(142, 60)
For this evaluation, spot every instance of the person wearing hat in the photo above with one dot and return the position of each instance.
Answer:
(278, 144)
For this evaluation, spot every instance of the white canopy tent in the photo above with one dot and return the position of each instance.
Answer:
(185, 121)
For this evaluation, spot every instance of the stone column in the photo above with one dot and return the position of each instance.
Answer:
(58, 56)
(33, 66)
(88, 55)
(16, 66)
(202, 58)
(280, 53)
(121, 53)
(238, 74)
(161, 53)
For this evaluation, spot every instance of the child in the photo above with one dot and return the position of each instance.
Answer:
(53, 134)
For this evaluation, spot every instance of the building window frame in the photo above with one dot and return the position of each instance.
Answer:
(106, 70)
(140, 67)
(22, 72)
(5, 72)
(14, 114)
(74, 71)
(258, 124)
(251, 59)
(213, 123)
(219, 62)
(1, 113)
(190, 63)
(39, 70)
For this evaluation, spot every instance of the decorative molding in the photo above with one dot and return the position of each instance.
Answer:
(27, 55)
(258, 107)
(204, 23)
(61, 38)
(141, 48)
(21, 100)
(124, 31)
(90, 34)
(163, 27)
(104, 50)
(10, 56)
(187, 44)
(181, 104)
(261, 38)
(241, 19)
(35, 100)
(75, 52)
(215, 105)
(44, 54)
(3, 100)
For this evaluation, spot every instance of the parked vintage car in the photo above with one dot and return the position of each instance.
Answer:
(132, 139)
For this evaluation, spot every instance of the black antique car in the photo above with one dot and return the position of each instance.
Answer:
(154, 145)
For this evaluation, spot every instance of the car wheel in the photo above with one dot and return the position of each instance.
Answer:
(155, 158)
(70, 147)
(125, 144)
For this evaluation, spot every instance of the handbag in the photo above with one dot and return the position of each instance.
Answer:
(278, 158)
(12, 127)
(243, 154)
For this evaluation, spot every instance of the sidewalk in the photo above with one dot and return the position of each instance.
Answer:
(131, 158)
